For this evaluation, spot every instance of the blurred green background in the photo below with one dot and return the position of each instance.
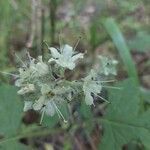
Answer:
(117, 28)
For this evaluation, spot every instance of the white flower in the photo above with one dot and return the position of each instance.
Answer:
(28, 88)
(108, 66)
(33, 70)
(44, 103)
(65, 57)
(47, 102)
(91, 86)
(38, 69)
(25, 73)
(27, 105)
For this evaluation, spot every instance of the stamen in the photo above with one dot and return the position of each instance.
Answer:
(102, 98)
(77, 43)
(59, 112)
(42, 116)
(61, 45)
(62, 48)
(112, 87)
(60, 40)
(20, 60)
(93, 104)
(28, 55)
(6, 73)
(108, 81)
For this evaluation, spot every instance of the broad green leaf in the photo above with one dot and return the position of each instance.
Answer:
(119, 41)
(49, 121)
(85, 111)
(123, 122)
(12, 145)
(10, 115)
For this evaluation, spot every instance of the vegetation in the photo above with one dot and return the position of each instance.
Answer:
(119, 118)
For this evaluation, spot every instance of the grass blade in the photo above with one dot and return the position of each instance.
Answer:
(119, 41)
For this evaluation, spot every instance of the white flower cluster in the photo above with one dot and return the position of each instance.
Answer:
(45, 93)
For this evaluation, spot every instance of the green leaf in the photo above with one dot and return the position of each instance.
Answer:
(87, 116)
(119, 41)
(49, 121)
(10, 115)
(13, 145)
(85, 111)
(122, 122)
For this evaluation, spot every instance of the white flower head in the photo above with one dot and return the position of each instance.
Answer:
(91, 86)
(65, 57)
(108, 66)
(28, 88)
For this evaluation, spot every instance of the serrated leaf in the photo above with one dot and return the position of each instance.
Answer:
(10, 115)
(122, 122)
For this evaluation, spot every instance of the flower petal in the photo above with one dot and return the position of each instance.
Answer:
(88, 98)
(27, 105)
(49, 109)
(19, 82)
(54, 52)
(51, 59)
(70, 65)
(39, 103)
(67, 51)
(77, 56)
(42, 68)
(45, 89)
(26, 89)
